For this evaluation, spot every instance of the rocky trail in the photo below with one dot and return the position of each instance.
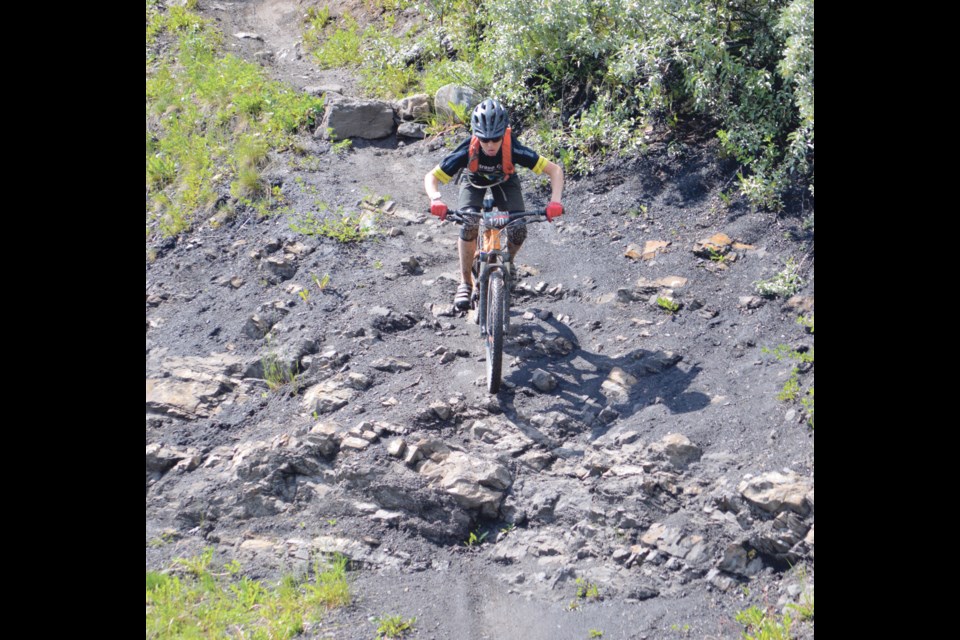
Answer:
(632, 448)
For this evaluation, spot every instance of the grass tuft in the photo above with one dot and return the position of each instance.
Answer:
(208, 604)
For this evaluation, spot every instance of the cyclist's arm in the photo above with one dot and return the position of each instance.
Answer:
(555, 172)
(432, 186)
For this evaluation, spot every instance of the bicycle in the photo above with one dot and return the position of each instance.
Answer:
(493, 272)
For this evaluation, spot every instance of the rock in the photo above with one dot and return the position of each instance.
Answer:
(415, 107)
(412, 130)
(397, 448)
(353, 442)
(554, 345)
(544, 381)
(442, 310)
(442, 410)
(160, 459)
(355, 118)
(473, 482)
(184, 399)
(323, 435)
(410, 264)
(717, 244)
(537, 460)
(247, 35)
(740, 561)
(799, 304)
(626, 296)
(750, 302)
(672, 282)
(657, 363)
(263, 319)
(774, 492)
(451, 93)
(329, 395)
(280, 268)
(649, 251)
(677, 449)
(320, 89)
(779, 538)
(387, 320)
(259, 460)
(616, 388)
(391, 364)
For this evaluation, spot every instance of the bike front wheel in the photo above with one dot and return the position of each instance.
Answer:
(496, 317)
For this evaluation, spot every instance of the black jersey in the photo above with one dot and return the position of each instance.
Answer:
(490, 169)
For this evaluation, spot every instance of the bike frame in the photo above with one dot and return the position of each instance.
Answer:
(491, 253)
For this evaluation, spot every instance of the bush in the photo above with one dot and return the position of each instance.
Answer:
(211, 118)
(597, 73)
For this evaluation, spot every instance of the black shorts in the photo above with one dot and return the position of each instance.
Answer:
(507, 196)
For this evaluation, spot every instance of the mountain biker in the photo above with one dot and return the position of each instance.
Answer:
(488, 159)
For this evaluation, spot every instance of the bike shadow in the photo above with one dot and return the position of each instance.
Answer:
(595, 388)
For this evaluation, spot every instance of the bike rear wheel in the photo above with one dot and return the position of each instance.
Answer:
(496, 316)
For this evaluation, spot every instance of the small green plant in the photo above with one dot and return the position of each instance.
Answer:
(505, 531)
(460, 112)
(165, 537)
(278, 373)
(475, 540)
(717, 256)
(378, 264)
(331, 522)
(595, 633)
(341, 226)
(587, 590)
(683, 630)
(760, 626)
(792, 389)
(391, 627)
(340, 147)
(785, 283)
(192, 600)
(322, 283)
(667, 304)
(304, 295)
(804, 608)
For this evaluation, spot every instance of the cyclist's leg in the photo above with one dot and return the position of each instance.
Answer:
(508, 196)
(470, 198)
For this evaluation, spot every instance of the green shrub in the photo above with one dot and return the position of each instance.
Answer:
(792, 389)
(342, 226)
(218, 604)
(785, 283)
(392, 627)
(760, 626)
(211, 118)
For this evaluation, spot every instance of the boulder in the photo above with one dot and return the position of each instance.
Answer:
(415, 107)
(354, 118)
(452, 93)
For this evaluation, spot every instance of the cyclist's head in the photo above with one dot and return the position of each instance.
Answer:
(489, 120)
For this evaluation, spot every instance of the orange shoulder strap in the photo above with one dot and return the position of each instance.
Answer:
(474, 163)
(507, 153)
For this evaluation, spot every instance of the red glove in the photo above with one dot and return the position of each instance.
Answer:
(438, 209)
(554, 210)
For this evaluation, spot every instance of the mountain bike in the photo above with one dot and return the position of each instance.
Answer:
(493, 273)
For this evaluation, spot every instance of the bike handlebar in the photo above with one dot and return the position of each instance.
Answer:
(463, 215)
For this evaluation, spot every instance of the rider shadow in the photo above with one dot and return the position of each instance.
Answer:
(598, 389)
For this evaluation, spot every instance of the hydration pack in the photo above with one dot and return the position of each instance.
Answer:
(506, 149)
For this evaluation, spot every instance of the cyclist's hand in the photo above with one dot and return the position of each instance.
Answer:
(437, 208)
(554, 210)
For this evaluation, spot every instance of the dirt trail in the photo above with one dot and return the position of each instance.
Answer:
(586, 481)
